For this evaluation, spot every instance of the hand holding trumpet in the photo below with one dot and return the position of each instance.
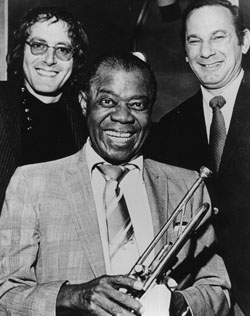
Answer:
(101, 296)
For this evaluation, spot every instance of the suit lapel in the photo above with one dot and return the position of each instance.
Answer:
(193, 110)
(240, 122)
(84, 213)
(198, 119)
(156, 186)
(194, 126)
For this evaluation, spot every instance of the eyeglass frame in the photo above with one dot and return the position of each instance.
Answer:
(49, 46)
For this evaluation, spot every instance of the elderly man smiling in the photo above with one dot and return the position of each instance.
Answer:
(71, 229)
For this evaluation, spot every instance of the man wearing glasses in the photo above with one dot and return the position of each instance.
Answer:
(40, 115)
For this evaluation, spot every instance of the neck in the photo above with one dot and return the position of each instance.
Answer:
(219, 91)
(43, 97)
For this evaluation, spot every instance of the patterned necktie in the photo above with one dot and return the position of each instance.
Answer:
(119, 225)
(217, 130)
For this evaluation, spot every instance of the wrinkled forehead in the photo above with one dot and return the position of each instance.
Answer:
(112, 75)
(120, 81)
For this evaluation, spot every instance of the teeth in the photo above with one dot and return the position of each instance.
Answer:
(119, 136)
(46, 73)
(212, 65)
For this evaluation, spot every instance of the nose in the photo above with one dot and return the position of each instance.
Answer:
(49, 56)
(122, 114)
(206, 49)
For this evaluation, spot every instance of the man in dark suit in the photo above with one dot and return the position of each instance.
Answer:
(215, 41)
(40, 115)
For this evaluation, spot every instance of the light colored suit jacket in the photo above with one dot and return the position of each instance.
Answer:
(49, 235)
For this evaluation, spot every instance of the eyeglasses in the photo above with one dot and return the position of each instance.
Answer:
(62, 52)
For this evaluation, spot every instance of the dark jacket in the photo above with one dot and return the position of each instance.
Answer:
(10, 130)
(182, 141)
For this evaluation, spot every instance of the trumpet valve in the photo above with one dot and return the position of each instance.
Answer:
(141, 271)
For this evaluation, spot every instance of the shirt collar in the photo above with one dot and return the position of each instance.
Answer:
(93, 158)
(228, 93)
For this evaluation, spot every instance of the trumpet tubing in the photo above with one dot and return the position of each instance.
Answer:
(149, 274)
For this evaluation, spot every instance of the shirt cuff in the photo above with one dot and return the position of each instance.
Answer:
(179, 305)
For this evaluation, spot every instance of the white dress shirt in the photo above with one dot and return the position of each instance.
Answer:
(229, 94)
(133, 188)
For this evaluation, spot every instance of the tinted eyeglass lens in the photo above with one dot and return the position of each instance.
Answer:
(38, 48)
(62, 52)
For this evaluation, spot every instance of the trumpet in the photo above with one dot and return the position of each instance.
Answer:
(152, 273)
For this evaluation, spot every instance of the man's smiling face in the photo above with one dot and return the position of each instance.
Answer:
(118, 113)
(45, 74)
(212, 46)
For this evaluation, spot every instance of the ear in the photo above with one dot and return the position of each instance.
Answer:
(246, 41)
(186, 58)
(82, 98)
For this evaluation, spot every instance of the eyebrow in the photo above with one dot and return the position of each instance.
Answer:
(138, 96)
(212, 34)
(38, 39)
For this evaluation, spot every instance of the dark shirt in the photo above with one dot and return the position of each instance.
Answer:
(46, 131)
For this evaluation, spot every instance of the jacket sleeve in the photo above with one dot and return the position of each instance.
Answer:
(20, 291)
(204, 281)
(199, 271)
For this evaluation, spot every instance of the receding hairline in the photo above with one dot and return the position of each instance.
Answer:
(109, 68)
(237, 18)
(211, 6)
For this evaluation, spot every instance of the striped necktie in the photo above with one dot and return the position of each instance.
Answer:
(118, 221)
(217, 130)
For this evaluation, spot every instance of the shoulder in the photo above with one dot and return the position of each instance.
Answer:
(169, 171)
(71, 99)
(4, 84)
(8, 97)
(45, 182)
(6, 87)
(246, 78)
(245, 84)
(182, 110)
(40, 174)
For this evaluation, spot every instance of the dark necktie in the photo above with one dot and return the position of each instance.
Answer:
(217, 130)
(118, 221)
